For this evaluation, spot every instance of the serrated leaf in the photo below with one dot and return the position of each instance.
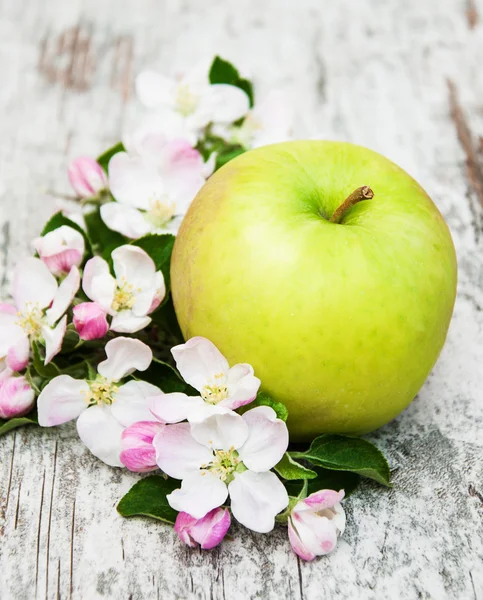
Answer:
(341, 453)
(148, 498)
(104, 158)
(45, 371)
(166, 377)
(58, 220)
(264, 400)
(11, 424)
(159, 247)
(326, 480)
(103, 239)
(222, 71)
(290, 469)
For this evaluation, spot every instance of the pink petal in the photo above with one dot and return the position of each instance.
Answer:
(297, 544)
(90, 321)
(53, 339)
(198, 361)
(138, 453)
(17, 398)
(86, 177)
(208, 531)
(18, 355)
(243, 386)
(320, 500)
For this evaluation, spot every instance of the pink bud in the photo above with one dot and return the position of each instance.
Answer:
(138, 453)
(90, 321)
(61, 249)
(86, 177)
(17, 398)
(208, 531)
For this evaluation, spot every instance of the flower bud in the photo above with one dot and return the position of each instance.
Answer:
(315, 523)
(87, 177)
(61, 249)
(138, 453)
(208, 531)
(90, 321)
(17, 398)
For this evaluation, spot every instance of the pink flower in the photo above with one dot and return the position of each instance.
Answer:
(138, 453)
(315, 523)
(16, 396)
(207, 532)
(90, 321)
(86, 177)
(61, 249)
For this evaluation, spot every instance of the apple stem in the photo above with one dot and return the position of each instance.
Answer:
(362, 193)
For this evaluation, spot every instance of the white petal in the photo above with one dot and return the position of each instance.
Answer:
(124, 356)
(11, 333)
(267, 439)
(175, 407)
(242, 386)
(34, 283)
(134, 266)
(218, 427)
(199, 361)
(178, 454)
(275, 117)
(132, 402)
(256, 498)
(126, 322)
(53, 339)
(18, 354)
(199, 493)
(154, 89)
(64, 296)
(223, 103)
(101, 433)
(125, 219)
(133, 181)
(98, 283)
(62, 400)
(317, 534)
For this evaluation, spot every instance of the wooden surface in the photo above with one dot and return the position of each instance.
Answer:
(402, 77)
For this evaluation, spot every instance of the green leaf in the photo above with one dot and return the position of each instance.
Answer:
(229, 153)
(341, 453)
(222, 71)
(326, 480)
(264, 400)
(103, 239)
(159, 247)
(148, 498)
(104, 158)
(10, 424)
(45, 371)
(290, 469)
(58, 220)
(165, 319)
(166, 377)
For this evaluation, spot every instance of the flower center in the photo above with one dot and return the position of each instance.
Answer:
(224, 463)
(185, 101)
(216, 391)
(32, 320)
(161, 210)
(101, 391)
(124, 297)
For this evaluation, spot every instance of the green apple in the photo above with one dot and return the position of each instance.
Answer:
(342, 319)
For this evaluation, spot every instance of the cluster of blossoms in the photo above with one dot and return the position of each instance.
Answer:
(83, 335)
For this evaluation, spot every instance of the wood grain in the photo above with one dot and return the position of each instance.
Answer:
(371, 72)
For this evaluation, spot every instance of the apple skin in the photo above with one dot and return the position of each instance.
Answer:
(341, 322)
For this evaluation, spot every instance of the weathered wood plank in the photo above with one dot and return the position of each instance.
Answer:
(371, 72)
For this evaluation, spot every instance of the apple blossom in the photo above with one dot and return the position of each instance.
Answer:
(90, 320)
(17, 398)
(86, 177)
(129, 296)
(221, 453)
(192, 98)
(61, 249)
(35, 289)
(153, 191)
(203, 366)
(105, 405)
(138, 453)
(206, 532)
(315, 523)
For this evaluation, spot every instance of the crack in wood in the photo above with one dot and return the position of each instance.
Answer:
(49, 521)
(301, 585)
(122, 67)
(18, 504)
(4, 254)
(9, 485)
(71, 566)
(472, 491)
(472, 15)
(38, 534)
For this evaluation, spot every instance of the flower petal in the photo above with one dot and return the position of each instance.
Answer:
(64, 296)
(317, 535)
(200, 492)
(256, 498)
(33, 283)
(11, 332)
(86, 177)
(62, 400)
(319, 501)
(174, 407)
(138, 453)
(125, 219)
(101, 433)
(267, 439)
(61, 249)
(242, 386)
(90, 321)
(17, 398)
(223, 103)
(53, 339)
(133, 181)
(134, 266)
(132, 402)
(154, 89)
(124, 356)
(217, 427)
(18, 354)
(199, 361)
(98, 283)
(275, 117)
(208, 531)
(178, 454)
(125, 322)
(297, 544)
